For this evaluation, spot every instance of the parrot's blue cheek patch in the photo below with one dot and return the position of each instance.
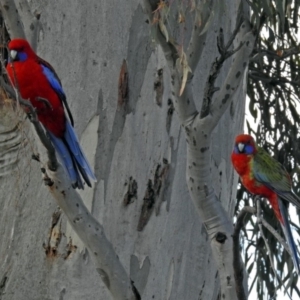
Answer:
(249, 149)
(22, 56)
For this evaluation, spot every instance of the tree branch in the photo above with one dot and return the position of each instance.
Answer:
(89, 230)
(92, 234)
(199, 178)
(210, 89)
(234, 77)
(198, 136)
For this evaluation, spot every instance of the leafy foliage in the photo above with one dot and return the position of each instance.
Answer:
(273, 91)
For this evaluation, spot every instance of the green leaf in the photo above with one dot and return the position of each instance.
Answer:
(280, 7)
(271, 38)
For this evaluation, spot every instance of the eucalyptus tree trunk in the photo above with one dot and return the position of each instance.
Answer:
(118, 86)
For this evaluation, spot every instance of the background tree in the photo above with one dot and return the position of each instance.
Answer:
(273, 89)
(123, 92)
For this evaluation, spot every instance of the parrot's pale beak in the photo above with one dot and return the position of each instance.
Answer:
(241, 147)
(13, 54)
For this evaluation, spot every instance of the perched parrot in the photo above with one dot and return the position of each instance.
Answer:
(264, 176)
(38, 83)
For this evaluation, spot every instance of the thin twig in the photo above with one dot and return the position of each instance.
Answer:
(210, 89)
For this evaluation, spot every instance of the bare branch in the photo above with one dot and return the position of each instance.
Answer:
(89, 230)
(92, 234)
(234, 77)
(210, 89)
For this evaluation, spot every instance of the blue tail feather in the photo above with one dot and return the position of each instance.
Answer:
(72, 141)
(72, 157)
(288, 235)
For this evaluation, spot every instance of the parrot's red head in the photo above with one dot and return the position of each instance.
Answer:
(20, 50)
(244, 144)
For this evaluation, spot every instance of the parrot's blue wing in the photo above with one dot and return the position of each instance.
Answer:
(55, 83)
(53, 80)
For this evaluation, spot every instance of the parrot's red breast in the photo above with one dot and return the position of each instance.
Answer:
(243, 164)
(33, 85)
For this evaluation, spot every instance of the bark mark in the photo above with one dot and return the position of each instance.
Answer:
(154, 194)
(3, 284)
(131, 193)
(135, 291)
(123, 85)
(159, 87)
(54, 236)
(70, 249)
(169, 115)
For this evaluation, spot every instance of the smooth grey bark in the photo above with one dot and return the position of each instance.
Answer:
(171, 257)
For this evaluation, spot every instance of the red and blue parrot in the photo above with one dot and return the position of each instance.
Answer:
(262, 175)
(37, 82)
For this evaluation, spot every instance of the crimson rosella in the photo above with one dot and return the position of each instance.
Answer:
(264, 176)
(38, 83)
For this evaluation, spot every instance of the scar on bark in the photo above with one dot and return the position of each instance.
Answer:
(123, 85)
(154, 194)
(3, 284)
(54, 235)
(169, 115)
(159, 87)
(70, 249)
(131, 193)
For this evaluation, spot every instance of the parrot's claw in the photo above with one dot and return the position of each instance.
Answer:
(45, 101)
